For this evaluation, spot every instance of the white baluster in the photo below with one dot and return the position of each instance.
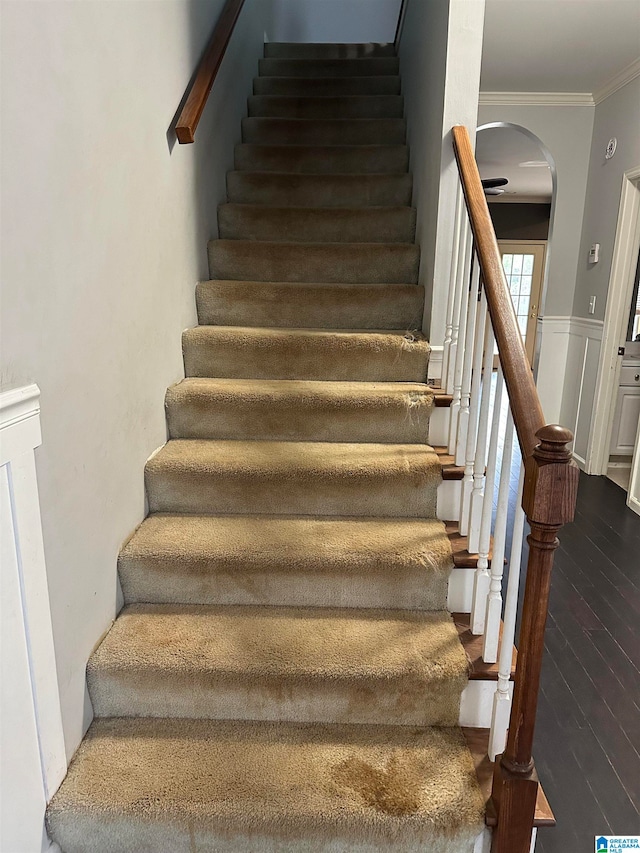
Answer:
(462, 282)
(454, 410)
(480, 341)
(483, 577)
(494, 598)
(480, 461)
(502, 696)
(455, 251)
(465, 387)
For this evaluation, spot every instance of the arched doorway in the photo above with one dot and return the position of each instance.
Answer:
(522, 211)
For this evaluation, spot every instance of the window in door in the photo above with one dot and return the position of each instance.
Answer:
(523, 264)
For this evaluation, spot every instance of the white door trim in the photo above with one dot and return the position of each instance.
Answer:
(633, 494)
(623, 267)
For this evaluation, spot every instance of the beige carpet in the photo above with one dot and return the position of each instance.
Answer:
(284, 675)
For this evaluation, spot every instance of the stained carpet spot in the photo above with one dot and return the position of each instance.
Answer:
(394, 790)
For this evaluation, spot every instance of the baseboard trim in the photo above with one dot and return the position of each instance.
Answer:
(434, 371)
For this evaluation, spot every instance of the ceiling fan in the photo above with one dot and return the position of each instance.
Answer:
(492, 186)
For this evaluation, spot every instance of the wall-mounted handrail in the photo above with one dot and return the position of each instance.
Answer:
(527, 411)
(483, 414)
(401, 13)
(203, 79)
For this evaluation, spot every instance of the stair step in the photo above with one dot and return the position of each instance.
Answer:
(307, 305)
(350, 107)
(242, 352)
(327, 86)
(258, 409)
(326, 50)
(327, 562)
(293, 478)
(317, 224)
(288, 664)
(322, 160)
(300, 131)
(334, 263)
(370, 66)
(183, 785)
(319, 190)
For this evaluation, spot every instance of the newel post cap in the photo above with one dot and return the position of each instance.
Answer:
(551, 478)
(553, 443)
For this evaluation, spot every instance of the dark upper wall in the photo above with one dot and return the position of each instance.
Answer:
(520, 221)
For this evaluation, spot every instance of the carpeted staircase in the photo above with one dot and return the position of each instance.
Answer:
(284, 675)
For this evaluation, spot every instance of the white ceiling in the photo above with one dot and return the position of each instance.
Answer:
(500, 151)
(557, 45)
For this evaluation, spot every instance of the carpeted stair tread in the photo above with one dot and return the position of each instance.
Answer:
(185, 785)
(293, 478)
(327, 86)
(323, 107)
(360, 67)
(327, 50)
(341, 263)
(290, 410)
(322, 354)
(403, 667)
(322, 159)
(287, 561)
(300, 131)
(330, 191)
(309, 305)
(316, 224)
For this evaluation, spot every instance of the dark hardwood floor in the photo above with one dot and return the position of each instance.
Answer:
(587, 745)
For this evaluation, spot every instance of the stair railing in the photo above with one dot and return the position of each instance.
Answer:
(491, 412)
(197, 93)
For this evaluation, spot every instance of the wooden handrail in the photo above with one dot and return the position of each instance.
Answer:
(401, 13)
(200, 86)
(549, 498)
(525, 403)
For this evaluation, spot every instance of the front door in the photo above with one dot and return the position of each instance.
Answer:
(523, 264)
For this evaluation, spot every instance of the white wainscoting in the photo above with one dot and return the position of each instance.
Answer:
(567, 374)
(583, 357)
(32, 744)
(554, 335)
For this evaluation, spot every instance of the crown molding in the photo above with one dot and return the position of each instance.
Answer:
(536, 99)
(563, 99)
(621, 79)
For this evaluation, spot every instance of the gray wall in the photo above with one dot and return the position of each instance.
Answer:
(618, 116)
(423, 65)
(440, 54)
(104, 232)
(334, 20)
(566, 133)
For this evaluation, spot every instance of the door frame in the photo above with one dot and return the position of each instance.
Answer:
(633, 492)
(534, 327)
(616, 318)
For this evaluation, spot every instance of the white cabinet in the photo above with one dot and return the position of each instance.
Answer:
(627, 412)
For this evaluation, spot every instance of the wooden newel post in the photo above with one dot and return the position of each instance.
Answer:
(549, 499)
